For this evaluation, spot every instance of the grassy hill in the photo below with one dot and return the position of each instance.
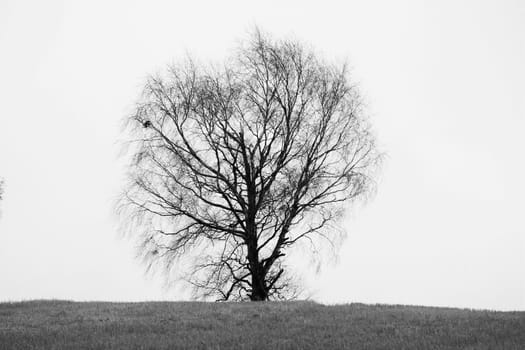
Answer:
(271, 325)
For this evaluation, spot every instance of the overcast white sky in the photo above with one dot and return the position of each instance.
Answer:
(445, 85)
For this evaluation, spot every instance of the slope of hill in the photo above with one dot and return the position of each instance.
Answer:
(271, 325)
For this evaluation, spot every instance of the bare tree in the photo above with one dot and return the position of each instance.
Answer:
(237, 164)
(1, 192)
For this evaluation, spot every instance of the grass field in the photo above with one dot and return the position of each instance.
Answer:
(271, 325)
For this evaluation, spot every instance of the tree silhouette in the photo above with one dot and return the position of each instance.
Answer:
(236, 165)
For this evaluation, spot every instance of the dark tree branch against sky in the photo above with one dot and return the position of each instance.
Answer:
(237, 164)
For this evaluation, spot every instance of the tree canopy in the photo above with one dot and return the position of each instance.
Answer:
(235, 165)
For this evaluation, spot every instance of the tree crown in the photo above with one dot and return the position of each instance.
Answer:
(241, 163)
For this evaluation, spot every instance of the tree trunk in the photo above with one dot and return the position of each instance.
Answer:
(259, 291)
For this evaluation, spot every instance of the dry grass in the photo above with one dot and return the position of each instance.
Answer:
(272, 325)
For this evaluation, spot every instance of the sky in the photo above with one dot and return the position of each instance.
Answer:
(444, 86)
